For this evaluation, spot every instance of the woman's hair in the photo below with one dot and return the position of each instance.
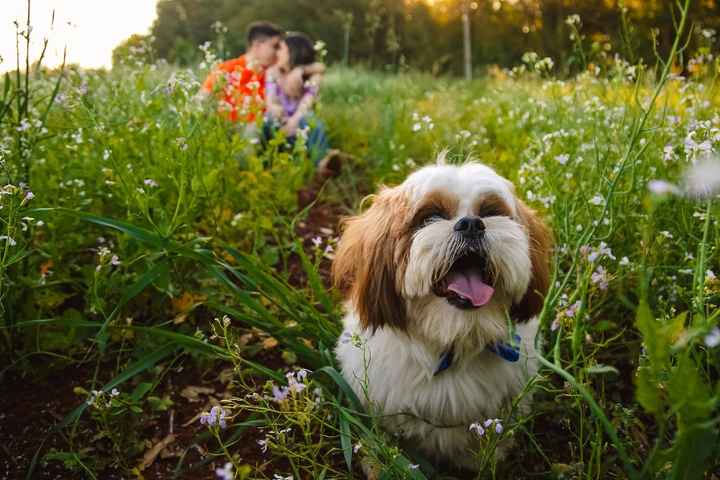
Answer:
(300, 48)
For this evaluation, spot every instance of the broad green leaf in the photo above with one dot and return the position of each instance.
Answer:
(346, 442)
(140, 391)
(647, 392)
(314, 279)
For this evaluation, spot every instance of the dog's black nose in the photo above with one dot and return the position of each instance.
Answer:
(470, 227)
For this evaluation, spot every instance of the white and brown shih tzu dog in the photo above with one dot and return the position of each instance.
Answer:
(444, 276)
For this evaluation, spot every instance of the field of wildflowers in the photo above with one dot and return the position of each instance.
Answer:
(158, 274)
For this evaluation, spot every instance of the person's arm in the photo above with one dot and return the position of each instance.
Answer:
(316, 68)
(272, 102)
(295, 79)
(306, 103)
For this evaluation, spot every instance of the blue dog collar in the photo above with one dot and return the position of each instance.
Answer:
(507, 351)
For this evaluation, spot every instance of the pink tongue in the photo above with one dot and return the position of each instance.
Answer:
(470, 285)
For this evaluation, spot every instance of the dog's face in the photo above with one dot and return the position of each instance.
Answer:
(444, 256)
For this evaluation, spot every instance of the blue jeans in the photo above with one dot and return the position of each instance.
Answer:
(316, 142)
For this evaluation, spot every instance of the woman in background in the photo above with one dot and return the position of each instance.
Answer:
(292, 112)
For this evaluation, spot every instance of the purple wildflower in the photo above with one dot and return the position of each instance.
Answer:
(279, 393)
(498, 427)
(215, 417)
(477, 428)
(572, 309)
(600, 278)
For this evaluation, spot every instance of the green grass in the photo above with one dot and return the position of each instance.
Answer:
(129, 164)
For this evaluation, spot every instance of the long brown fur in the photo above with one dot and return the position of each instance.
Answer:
(540, 252)
(371, 258)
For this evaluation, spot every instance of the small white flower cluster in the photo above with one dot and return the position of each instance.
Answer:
(76, 184)
(101, 399)
(219, 28)
(546, 200)
(320, 48)
(422, 123)
(106, 257)
(573, 20)
(534, 62)
(209, 57)
(274, 436)
(181, 143)
(225, 473)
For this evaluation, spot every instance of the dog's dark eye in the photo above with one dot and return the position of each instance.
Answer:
(493, 206)
(431, 217)
(434, 217)
(490, 213)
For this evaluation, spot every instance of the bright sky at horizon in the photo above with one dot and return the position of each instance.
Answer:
(89, 28)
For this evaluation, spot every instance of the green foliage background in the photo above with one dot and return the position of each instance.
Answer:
(410, 33)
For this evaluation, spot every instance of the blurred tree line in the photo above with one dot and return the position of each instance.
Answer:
(427, 34)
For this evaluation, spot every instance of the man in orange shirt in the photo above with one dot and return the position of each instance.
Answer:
(239, 84)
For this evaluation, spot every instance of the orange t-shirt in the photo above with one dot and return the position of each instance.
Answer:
(242, 95)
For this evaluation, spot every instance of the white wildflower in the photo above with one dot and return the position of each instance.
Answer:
(703, 179)
(712, 339)
(661, 187)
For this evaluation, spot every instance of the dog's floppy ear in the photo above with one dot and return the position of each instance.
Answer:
(540, 252)
(371, 258)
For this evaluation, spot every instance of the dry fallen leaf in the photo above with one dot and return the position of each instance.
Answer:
(226, 375)
(152, 454)
(192, 393)
(187, 301)
(45, 267)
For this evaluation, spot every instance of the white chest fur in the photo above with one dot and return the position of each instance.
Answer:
(395, 375)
